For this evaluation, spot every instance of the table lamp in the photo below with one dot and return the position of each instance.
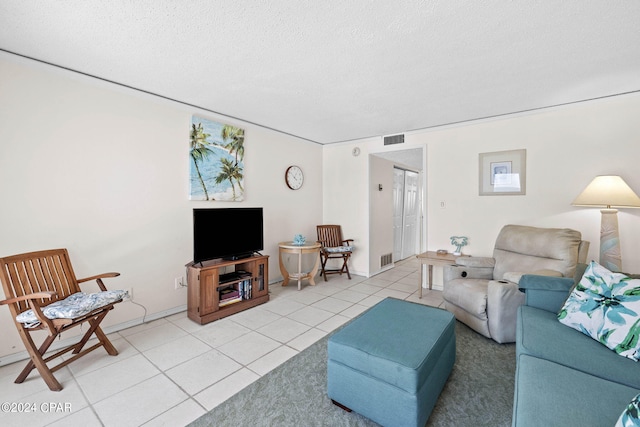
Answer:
(609, 192)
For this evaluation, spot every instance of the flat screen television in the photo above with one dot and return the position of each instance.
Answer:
(228, 233)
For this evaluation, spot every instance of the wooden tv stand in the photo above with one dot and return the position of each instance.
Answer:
(219, 288)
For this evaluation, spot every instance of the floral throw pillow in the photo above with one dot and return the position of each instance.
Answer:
(606, 306)
(630, 417)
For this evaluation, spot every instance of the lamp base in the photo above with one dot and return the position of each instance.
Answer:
(610, 256)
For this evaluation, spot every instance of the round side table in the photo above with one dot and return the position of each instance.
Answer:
(290, 248)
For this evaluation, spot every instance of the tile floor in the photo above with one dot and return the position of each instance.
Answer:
(172, 370)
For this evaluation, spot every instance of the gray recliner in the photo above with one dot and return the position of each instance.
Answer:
(483, 292)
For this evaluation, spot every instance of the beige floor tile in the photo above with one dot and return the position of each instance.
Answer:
(354, 310)
(306, 339)
(220, 332)
(333, 323)
(114, 378)
(432, 293)
(392, 275)
(283, 330)
(378, 281)
(153, 337)
(12, 392)
(306, 298)
(332, 305)
(353, 295)
(46, 407)
(277, 291)
(175, 352)
(371, 301)
(12, 369)
(143, 327)
(406, 266)
(272, 360)
(99, 358)
(254, 318)
(140, 403)
(202, 371)
(283, 307)
(182, 321)
(384, 293)
(343, 280)
(365, 288)
(428, 298)
(221, 391)
(321, 290)
(82, 418)
(310, 316)
(180, 415)
(249, 347)
(404, 287)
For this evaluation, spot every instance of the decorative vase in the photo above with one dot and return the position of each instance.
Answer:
(299, 240)
(459, 242)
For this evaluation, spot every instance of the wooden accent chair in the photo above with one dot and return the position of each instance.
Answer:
(333, 247)
(41, 291)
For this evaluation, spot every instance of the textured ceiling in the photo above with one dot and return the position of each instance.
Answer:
(332, 71)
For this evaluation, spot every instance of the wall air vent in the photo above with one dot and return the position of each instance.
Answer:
(386, 259)
(394, 139)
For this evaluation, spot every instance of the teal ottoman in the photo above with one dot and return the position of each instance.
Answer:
(391, 363)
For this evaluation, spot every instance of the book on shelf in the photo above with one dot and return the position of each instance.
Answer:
(229, 293)
(245, 289)
(229, 301)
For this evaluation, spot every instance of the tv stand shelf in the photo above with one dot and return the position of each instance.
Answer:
(206, 280)
(237, 276)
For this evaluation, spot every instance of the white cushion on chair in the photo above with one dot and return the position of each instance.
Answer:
(73, 306)
(339, 249)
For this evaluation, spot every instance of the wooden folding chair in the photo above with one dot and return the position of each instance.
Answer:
(333, 247)
(33, 281)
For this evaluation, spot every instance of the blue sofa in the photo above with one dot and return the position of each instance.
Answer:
(563, 377)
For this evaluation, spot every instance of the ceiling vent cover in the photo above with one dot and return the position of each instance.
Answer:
(394, 139)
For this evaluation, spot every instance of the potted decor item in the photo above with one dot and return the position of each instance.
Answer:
(299, 240)
(459, 242)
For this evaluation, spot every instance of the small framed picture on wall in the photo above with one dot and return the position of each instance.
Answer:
(503, 173)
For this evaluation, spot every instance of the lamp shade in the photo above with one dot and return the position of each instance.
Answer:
(608, 191)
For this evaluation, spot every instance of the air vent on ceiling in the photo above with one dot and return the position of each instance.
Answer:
(386, 259)
(394, 139)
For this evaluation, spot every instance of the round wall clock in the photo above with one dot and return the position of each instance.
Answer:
(294, 177)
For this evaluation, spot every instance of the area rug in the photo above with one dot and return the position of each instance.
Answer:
(479, 391)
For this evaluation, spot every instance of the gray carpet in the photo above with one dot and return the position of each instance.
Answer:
(479, 391)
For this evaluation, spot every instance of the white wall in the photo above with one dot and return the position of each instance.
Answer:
(380, 211)
(103, 171)
(346, 198)
(566, 148)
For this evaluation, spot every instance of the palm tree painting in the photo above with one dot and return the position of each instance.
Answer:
(216, 161)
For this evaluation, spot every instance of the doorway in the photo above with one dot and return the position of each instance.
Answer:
(391, 236)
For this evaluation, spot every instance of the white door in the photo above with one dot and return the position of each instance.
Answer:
(410, 214)
(406, 209)
(398, 209)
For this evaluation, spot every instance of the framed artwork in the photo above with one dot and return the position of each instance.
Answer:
(216, 160)
(503, 173)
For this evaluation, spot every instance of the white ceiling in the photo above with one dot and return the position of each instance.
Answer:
(336, 70)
